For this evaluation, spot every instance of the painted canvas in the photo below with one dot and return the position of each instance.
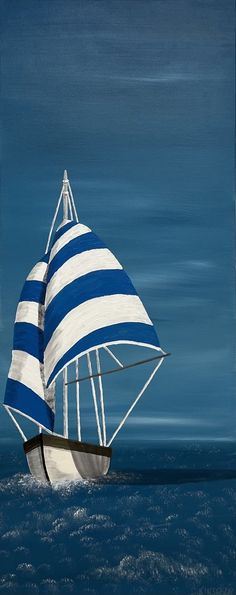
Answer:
(118, 473)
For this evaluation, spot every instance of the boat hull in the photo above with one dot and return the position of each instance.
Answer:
(53, 459)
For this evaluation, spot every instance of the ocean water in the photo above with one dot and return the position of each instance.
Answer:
(162, 522)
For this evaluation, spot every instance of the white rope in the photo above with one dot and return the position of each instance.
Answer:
(53, 222)
(136, 400)
(51, 432)
(94, 399)
(78, 400)
(101, 398)
(65, 404)
(16, 424)
(73, 202)
(113, 356)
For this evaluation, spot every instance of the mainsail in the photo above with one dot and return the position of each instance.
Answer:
(26, 392)
(90, 301)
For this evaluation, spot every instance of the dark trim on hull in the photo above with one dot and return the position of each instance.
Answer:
(66, 444)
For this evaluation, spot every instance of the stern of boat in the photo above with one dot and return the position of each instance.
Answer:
(53, 459)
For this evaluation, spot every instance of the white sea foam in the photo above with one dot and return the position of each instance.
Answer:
(24, 567)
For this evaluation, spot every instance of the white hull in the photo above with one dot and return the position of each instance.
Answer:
(53, 459)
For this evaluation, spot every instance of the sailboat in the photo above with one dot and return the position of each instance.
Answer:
(77, 302)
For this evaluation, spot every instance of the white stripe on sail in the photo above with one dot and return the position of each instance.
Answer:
(29, 312)
(73, 232)
(25, 369)
(88, 317)
(79, 265)
(38, 272)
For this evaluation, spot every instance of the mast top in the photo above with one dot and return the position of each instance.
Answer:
(67, 199)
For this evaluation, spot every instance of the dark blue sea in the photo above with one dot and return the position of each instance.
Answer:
(162, 522)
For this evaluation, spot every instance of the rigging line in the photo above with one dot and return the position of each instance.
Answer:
(53, 222)
(135, 402)
(52, 433)
(94, 398)
(65, 403)
(113, 356)
(144, 361)
(78, 399)
(24, 415)
(101, 397)
(73, 202)
(16, 424)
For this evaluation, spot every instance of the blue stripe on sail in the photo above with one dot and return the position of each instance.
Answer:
(33, 291)
(29, 403)
(29, 338)
(88, 241)
(60, 232)
(137, 332)
(45, 258)
(95, 284)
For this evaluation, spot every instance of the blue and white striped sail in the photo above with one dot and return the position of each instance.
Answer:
(77, 298)
(26, 392)
(90, 301)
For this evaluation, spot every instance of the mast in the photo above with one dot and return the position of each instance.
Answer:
(78, 400)
(65, 404)
(66, 205)
(65, 195)
(69, 212)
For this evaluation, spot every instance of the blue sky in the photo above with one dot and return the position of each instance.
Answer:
(136, 100)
